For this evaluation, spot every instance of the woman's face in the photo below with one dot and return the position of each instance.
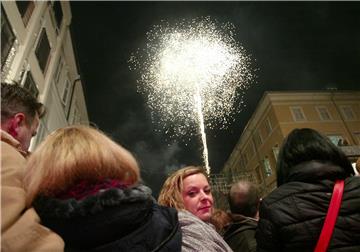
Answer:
(197, 196)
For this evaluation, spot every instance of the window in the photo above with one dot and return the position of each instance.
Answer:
(245, 159)
(75, 115)
(258, 138)
(297, 113)
(58, 13)
(347, 112)
(252, 150)
(7, 37)
(336, 139)
(258, 174)
(43, 50)
(268, 126)
(241, 162)
(25, 8)
(323, 113)
(275, 150)
(253, 147)
(267, 167)
(30, 84)
(357, 136)
(59, 69)
(66, 92)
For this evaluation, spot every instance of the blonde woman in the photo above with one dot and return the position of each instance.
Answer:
(86, 188)
(188, 191)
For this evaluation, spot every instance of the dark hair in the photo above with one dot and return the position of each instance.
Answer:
(307, 144)
(15, 99)
(244, 198)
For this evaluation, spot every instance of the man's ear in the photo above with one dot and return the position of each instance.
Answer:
(17, 120)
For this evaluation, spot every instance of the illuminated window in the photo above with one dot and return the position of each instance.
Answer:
(336, 139)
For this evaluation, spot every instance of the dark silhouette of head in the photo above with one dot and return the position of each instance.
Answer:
(244, 198)
(303, 145)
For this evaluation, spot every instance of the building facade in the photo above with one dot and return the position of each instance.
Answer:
(37, 52)
(333, 113)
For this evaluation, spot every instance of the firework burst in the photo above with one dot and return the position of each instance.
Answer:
(192, 72)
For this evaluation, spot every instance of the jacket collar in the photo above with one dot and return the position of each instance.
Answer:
(111, 218)
(241, 218)
(69, 208)
(315, 171)
(9, 139)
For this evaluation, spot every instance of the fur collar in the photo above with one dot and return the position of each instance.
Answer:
(57, 208)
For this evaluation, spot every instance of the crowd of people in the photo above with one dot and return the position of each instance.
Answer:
(81, 191)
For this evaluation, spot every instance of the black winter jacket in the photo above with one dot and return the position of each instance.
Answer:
(292, 216)
(112, 220)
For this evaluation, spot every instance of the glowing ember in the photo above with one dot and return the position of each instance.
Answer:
(192, 73)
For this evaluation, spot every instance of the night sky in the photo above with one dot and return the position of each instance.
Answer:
(294, 46)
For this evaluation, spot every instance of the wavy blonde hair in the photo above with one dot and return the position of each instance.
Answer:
(171, 192)
(76, 153)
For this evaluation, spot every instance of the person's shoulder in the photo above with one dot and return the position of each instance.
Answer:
(290, 189)
(12, 165)
(10, 147)
(352, 183)
(165, 214)
(186, 218)
(240, 227)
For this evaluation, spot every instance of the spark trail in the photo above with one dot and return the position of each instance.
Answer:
(191, 73)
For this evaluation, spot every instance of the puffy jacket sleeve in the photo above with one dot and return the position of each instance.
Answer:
(267, 237)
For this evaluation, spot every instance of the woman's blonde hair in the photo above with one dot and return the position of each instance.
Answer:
(171, 192)
(76, 153)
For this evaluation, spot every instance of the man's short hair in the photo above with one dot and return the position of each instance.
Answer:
(16, 99)
(244, 198)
